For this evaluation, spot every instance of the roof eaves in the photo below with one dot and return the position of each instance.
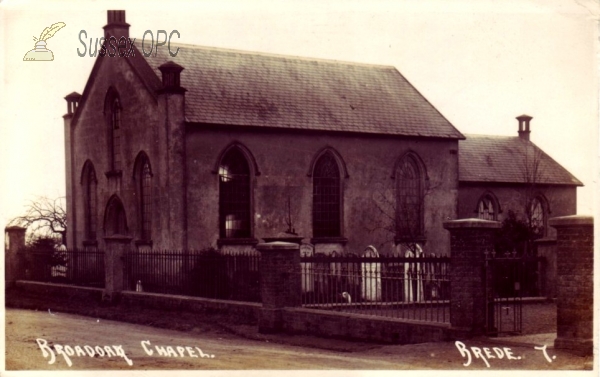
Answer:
(472, 180)
(195, 123)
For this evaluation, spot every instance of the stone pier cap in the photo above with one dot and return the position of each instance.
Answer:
(14, 227)
(277, 245)
(472, 223)
(574, 220)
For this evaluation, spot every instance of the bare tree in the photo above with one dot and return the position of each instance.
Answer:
(534, 176)
(45, 217)
(382, 218)
(393, 219)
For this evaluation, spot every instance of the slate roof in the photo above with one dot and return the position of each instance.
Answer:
(255, 89)
(485, 158)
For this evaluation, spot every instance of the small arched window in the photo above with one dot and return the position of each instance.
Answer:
(327, 200)
(143, 177)
(115, 221)
(486, 208)
(89, 183)
(537, 217)
(409, 200)
(234, 195)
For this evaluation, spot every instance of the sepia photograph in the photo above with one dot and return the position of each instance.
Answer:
(343, 186)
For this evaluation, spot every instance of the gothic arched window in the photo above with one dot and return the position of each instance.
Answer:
(537, 216)
(487, 208)
(115, 134)
(89, 183)
(409, 200)
(143, 177)
(234, 195)
(327, 200)
(112, 115)
(115, 221)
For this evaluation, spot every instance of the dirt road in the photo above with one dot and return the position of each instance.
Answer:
(116, 345)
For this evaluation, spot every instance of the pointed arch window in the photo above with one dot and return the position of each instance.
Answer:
(409, 200)
(326, 197)
(115, 134)
(234, 195)
(487, 208)
(115, 221)
(90, 184)
(537, 215)
(143, 178)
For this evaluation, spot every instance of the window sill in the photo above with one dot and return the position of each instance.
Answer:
(237, 241)
(317, 240)
(114, 173)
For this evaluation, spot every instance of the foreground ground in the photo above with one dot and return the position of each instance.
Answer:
(234, 344)
(26, 330)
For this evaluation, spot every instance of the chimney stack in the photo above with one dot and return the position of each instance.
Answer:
(72, 102)
(116, 25)
(171, 80)
(524, 130)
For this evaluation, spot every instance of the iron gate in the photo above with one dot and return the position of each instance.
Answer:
(508, 279)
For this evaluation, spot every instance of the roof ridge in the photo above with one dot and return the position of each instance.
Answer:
(283, 56)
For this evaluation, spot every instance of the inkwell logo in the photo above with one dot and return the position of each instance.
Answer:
(40, 52)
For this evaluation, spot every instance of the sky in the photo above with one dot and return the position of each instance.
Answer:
(480, 63)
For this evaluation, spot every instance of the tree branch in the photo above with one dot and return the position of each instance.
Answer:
(44, 216)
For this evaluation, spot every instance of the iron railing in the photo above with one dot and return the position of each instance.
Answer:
(209, 274)
(71, 266)
(416, 288)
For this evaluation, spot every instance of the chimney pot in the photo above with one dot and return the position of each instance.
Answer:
(116, 25)
(524, 129)
(115, 16)
(72, 102)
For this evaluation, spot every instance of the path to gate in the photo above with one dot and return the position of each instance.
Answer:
(538, 317)
(509, 278)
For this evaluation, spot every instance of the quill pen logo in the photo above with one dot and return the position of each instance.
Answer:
(40, 52)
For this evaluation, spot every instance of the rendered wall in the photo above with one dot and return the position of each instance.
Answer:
(284, 160)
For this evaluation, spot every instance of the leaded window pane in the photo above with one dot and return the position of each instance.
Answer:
(234, 196)
(409, 200)
(146, 199)
(486, 209)
(538, 224)
(116, 134)
(90, 184)
(326, 198)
